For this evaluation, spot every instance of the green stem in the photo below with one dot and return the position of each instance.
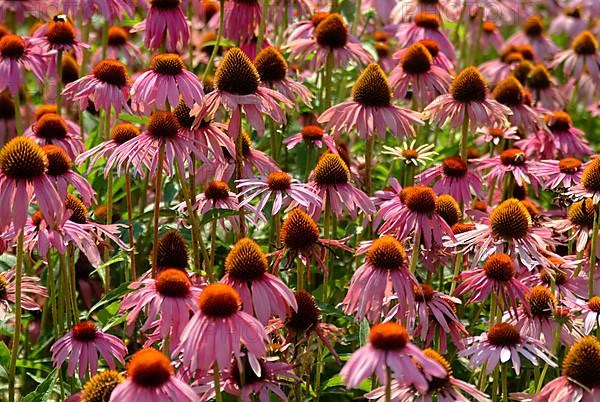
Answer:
(503, 369)
(464, 142)
(457, 266)
(357, 14)
(414, 258)
(593, 250)
(328, 80)
(318, 370)
(17, 334)
(109, 202)
(71, 263)
(57, 327)
(309, 157)
(327, 234)
(65, 288)
(216, 373)
(217, 41)
(104, 39)
(263, 25)
(59, 82)
(388, 385)
(18, 117)
(213, 242)
(130, 223)
(158, 188)
(239, 164)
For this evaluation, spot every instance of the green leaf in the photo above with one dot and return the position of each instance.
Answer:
(217, 214)
(363, 333)
(110, 297)
(44, 391)
(4, 360)
(335, 381)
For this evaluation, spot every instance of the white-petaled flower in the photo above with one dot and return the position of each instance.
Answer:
(409, 155)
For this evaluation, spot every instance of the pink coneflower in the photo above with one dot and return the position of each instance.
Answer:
(442, 389)
(417, 72)
(162, 130)
(453, 177)
(107, 87)
(544, 320)
(590, 182)
(495, 134)
(263, 294)
(510, 93)
(166, 81)
(413, 211)
(59, 35)
(331, 37)
(247, 384)
(272, 69)
(102, 383)
(305, 29)
(583, 56)
(503, 343)
(560, 277)
(511, 162)
(281, 187)
(579, 382)
(509, 231)
(120, 47)
(589, 312)
(498, 69)
(30, 291)
(23, 8)
(236, 88)
(545, 88)
(23, 167)
(331, 182)
(301, 239)
(487, 34)
(242, 17)
(570, 22)
(217, 330)
(579, 223)
(437, 318)
(120, 134)
(150, 377)
(61, 172)
(81, 346)
(533, 34)
(467, 99)
(568, 140)
(495, 277)
(52, 129)
(563, 173)
(109, 9)
(167, 300)
(425, 26)
(17, 54)
(389, 348)
(312, 135)
(210, 134)
(165, 21)
(385, 273)
(370, 111)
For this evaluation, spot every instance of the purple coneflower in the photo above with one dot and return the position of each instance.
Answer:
(510, 93)
(167, 300)
(579, 223)
(487, 34)
(512, 162)
(583, 56)
(545, 88)
(413, 211)
(370, 111)
(425, 26)
(59, 35)
(166, 81)
(570, 22)
(107, 87)
(443, 389)
(166, 22)
(120, 47)
(102, 383)
(504, 343)
(237, 87)
(272, 69)
(533, 34)
(150, 377)
(568, 140)
(495, 134)
(312, 135)
(389, 348)
(242, 17)
(282, 187)
(263, 294)
(453, 177)
(467, 100)
(81, 346)
(218, 329)
(385, 273)
(560, 275)
(498, 69)
(590, 182)
(404, 10)
(16, 54)
(495, 277)
(579, 381)
(162, 131)
(417, 72)
(61, 172)
(109, 9)
(52, 129)
(563, 173)
(331, 40)
(331, 182)
(30, 290)
(509, 231)
(23, 174)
